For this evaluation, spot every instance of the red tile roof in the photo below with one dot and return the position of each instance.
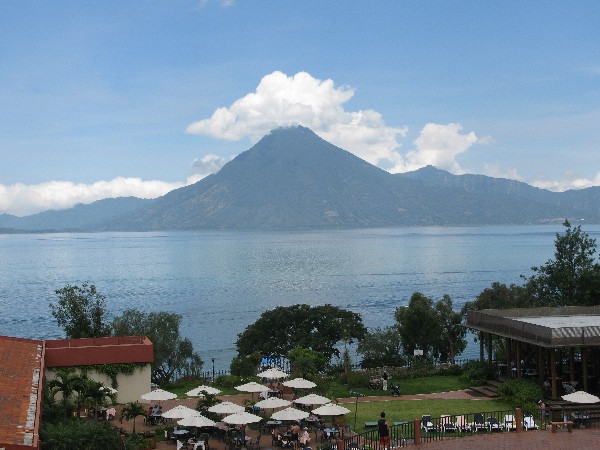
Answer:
(21, 372)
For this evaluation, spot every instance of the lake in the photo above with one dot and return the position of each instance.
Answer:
(221, 281)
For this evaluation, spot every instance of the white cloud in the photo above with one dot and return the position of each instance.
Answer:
(21, 199)
(438, 145)
(281, 100)
(568, 181)
(208, 164)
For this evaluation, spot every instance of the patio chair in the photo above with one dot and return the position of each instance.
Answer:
(462, 424)
(494, 424)
(447, 425)
(426, 424)
(479, 423)
(529, 423)
(204, 440)
(254, 444)
(510, 423)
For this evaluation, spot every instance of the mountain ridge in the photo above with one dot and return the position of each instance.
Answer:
(293, 179)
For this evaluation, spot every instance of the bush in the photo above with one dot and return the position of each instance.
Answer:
(522, 394)
(476, 372)
(450, 370)
(231, 381)
(354, 379)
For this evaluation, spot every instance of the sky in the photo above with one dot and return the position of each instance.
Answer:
(136, 98)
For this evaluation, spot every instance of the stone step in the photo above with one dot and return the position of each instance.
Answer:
(488, 391)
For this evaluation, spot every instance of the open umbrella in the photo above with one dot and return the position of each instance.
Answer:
(241, 418)
(581, 397)
(179, 412)
(198, 421)
(226, 408)
(273, 374)
(312, 399)
(292, 414)
(200, 389)
(299, 383)
(158, 395)
(252, 387)
(331, 409)
(272, 403)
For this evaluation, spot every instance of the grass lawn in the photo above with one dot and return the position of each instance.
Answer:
(408, 410)
(425, 385)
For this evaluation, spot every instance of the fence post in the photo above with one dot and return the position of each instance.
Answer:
(519, 420)
(417, 431)
(340, 444)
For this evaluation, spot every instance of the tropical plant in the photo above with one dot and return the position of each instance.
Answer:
(79, 434)
(131, 411)
(66, 382)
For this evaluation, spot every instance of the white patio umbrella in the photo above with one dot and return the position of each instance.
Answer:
(331, 409)
(581, 397)
(179, 412)
(198, 421)
(272, 403)
(299, 383)
(273, 374)
(252, 387)
(200, 389)
(226, 408)
(158, 394)
(290, 414)
(241, 418)
(312, 399)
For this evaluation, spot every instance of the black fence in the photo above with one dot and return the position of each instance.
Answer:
(403, 434)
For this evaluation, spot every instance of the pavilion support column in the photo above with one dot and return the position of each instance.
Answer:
(489, 349)
(518, 358)
(584, 368)
(571, 364)
(540, 365)
(507, 345)
(481, 338)
(553, 373)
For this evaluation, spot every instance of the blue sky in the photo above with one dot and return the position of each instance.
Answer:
(102, 99)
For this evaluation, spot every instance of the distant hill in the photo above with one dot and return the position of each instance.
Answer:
(293, 179)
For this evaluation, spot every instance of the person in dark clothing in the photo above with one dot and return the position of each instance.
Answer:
(384, 432)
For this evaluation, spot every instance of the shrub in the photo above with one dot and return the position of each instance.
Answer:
(476, 372)
(522, 394)
(355, 379)
(230, 381)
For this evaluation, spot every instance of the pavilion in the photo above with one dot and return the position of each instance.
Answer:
(546, 344)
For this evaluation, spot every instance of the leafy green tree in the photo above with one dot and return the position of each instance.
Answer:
(500, 296)
(572, 278)
(80, 435)
(81, 311)
(418, 325)
(319, 328)
(131, 411)
(306, 363)
(245, 365)
(452, 339)
(381, 347)
(173, 355)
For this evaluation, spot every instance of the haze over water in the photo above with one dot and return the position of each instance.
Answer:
(221, 281)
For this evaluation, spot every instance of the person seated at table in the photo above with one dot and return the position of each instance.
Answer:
(295, 431)
(154, 411)
(304, 437)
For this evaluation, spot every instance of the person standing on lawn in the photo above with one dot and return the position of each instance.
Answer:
(384, 432)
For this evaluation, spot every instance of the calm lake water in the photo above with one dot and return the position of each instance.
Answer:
(221, 281)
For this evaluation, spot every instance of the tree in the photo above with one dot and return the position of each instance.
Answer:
(500, 296)
(306, 363)
(418, 325)
(131, 411)
(381, 347)
(245, 365)
(452, 339)
(572, 277)
(172, 354)
(80, 311)
(318, 328)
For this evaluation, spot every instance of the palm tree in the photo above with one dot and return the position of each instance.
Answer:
(131, 411)
(66, 382)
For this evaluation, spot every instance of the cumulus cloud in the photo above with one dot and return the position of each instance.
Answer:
(568, 181)
(208, 164)
(281, 100)
(21, 199)
(301, 99)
